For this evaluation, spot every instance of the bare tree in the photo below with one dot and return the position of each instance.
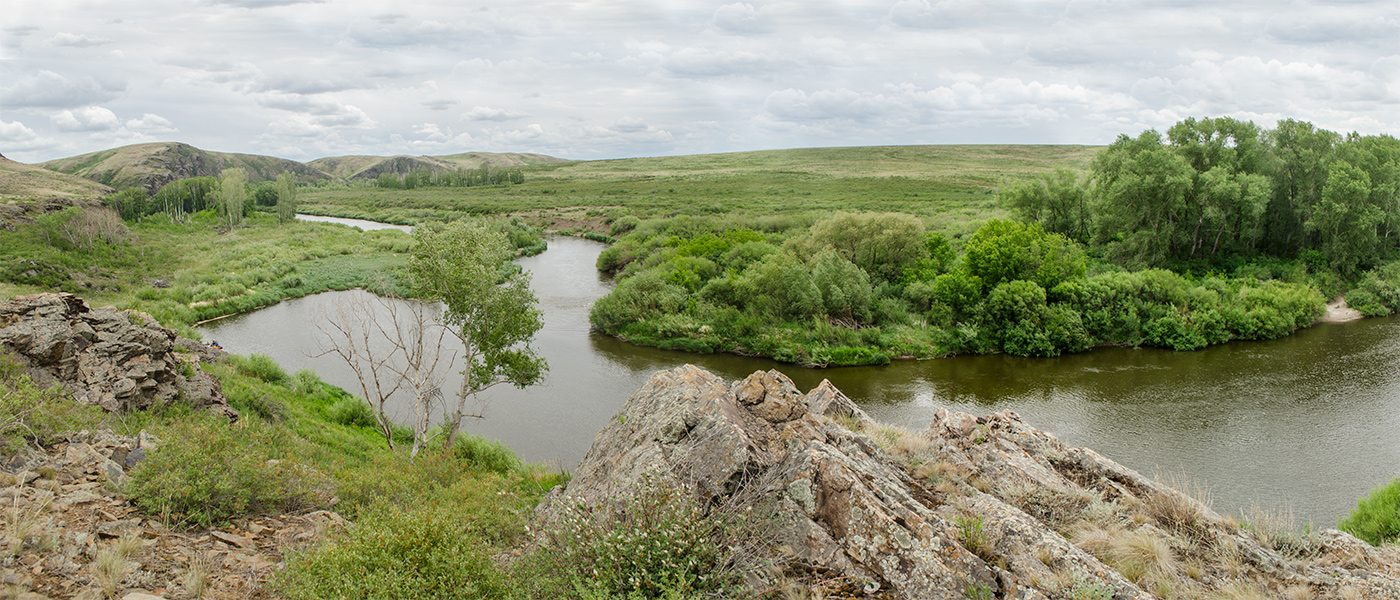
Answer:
(349, 331)
(390, 344)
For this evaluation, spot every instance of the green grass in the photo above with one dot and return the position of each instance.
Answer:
(182, 273)
(945, 185)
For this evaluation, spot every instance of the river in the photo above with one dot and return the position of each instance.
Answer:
(1309, 422)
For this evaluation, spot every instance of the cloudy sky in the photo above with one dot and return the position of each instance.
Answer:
(304, 79)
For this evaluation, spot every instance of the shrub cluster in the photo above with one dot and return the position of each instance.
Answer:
(858, 289)
(1377, 516)
(207, 473)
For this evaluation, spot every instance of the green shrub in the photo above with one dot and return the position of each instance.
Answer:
(1366, 303)
(397, 552)
(351, 411)
(306, 382)
(623, 225)
(207, 473)
(658, 543)
(1377, 516)
(486, 454)
(261, 366)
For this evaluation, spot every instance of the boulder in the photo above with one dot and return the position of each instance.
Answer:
(969, 507)
(119, 360)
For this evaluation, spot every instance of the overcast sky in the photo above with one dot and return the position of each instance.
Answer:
(620, 78)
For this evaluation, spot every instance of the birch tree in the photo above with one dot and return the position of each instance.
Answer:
(490, 308)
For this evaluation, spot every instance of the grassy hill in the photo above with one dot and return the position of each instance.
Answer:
(370, 167)
(153, 165)
(952, 185)
(24, 183)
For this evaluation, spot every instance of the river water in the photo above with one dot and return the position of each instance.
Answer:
(1308, 423)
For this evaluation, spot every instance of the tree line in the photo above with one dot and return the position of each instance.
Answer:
(1218, 192)
(229, 193)
(1217, 231)
(419, 178)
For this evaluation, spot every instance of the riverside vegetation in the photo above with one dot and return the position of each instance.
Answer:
(465, 507)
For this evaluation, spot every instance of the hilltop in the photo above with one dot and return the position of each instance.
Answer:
(156, 164)
(25, 183)
(370, 167)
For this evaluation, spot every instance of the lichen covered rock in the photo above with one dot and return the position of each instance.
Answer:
(119, 360)
(972, 507)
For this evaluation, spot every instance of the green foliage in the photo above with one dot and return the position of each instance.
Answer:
(261, 366)
(31, 415)
(286, 198)
(1376, 518)
(130, 203)
(1008, 251)
(1058, 202)
(486, 454)
(657, 543)
(884, 245)
(352, 412)
(397, 552)
(844, 287)
(233, 196)
(493, 314)
(207, 473)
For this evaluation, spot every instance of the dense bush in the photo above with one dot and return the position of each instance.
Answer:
(1377, 516)
(657, 543)
(261, 366)
(398, 552)
(486, 454)
(207, 473)
(1018, 289)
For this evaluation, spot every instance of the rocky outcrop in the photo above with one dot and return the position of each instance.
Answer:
(63, 511)
(972, 507)
(119, 360)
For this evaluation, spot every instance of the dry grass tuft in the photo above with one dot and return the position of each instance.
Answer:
(1182, 508)
(1145, 559)
(108, 570)
(196, 580)
(1277, 529)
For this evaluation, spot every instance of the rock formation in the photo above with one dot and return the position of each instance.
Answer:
(972, 507)
(119, 360)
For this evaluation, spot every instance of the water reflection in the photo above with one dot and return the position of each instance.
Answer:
(1310, 420)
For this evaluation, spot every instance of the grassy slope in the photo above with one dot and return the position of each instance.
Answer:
(154, 164)
(944, 185)
(25, 183)
(369, 167)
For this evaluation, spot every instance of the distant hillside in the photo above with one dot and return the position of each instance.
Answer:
(26, 183)
(154, 165)
(370, 167)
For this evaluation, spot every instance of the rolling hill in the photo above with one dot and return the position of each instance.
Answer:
(21, 183)
(370, 167)
(156, 164)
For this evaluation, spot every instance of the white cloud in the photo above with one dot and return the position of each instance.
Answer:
(75, 40)
(16, 133)
(741, 18)
(627, 78)
(487, 113)
(151, 125)
(88, 118)
(52, 90)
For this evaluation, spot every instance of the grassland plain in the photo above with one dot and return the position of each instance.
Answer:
(951, 188)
